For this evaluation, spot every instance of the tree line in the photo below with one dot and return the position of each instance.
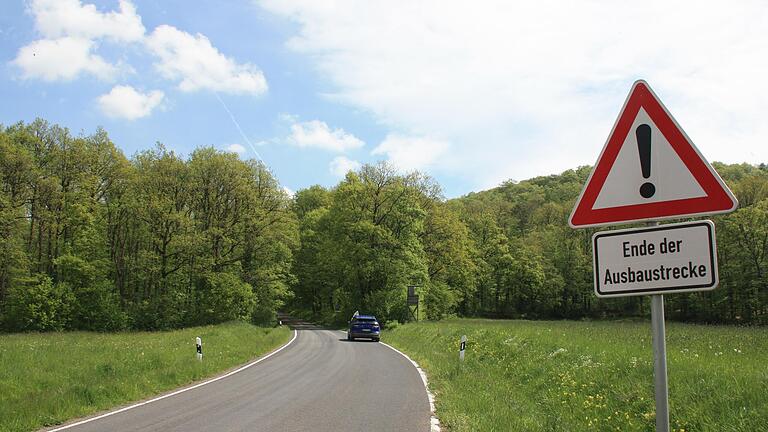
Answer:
(503, 253)
(90, 239)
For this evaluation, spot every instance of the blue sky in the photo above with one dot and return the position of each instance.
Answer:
(473, 94)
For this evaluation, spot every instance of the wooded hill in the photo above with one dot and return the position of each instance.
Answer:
(90, 239)
(524, 236)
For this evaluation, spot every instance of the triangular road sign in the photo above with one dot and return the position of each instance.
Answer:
(649, 169)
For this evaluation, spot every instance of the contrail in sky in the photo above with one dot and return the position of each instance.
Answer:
(239, 129)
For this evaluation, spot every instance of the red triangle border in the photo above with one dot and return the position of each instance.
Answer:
(718, 199)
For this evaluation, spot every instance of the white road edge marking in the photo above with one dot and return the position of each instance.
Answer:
(88, 420)
(434, 422)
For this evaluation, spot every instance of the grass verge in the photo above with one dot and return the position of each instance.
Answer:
(575, 376)
(48, 378)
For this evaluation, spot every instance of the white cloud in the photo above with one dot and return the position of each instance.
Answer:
(529, 88)
(341, 165)
(64, 59)
(288, 191)
(317, 134)
(70, 30)
(198, 65)
(236, 148)
(58, 18)
(128, 103)
(411, 153)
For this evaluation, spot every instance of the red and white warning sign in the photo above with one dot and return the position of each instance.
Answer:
(648, 170)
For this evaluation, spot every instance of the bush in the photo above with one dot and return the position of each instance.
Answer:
(391, 325)
(97, 308)
(263, 315)
(224, 297)
(39, 305)
(96, 305)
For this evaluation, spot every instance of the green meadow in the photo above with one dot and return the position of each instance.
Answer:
(576, 376)
(48, 378)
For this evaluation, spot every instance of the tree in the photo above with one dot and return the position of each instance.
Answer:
(449, 254)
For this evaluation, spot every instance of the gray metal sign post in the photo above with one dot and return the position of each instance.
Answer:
(660, 385)
(660, 363)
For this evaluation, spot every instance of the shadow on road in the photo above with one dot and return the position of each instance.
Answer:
(297, 324)
(302, 325)
(356, 340)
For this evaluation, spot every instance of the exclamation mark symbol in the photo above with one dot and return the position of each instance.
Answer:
(643, 133)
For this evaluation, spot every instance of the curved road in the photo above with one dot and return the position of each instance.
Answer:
(321, 382)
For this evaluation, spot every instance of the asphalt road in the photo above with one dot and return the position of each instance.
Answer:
(321, 382)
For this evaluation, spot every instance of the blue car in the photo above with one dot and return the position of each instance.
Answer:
(364, 326)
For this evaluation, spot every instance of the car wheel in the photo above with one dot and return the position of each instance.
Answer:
(349, 337)
(375, 339)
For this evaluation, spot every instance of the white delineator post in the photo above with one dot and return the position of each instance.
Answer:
(462, 347)
(199, 343)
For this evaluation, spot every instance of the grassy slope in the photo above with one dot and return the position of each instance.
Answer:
(48, 378)
(572, 376)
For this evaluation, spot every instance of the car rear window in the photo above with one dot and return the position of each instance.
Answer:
(365, 320)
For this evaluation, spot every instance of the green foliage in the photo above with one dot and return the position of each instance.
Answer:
(136, 243)
(361, 243)
(159, 241)
(506, 252)
(95, 305)
(531, 264)
(224, 297)
(39, 305)
(440, 301)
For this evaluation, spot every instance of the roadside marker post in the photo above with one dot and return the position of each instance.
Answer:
(650, 170)
(462, 347)
(199, 343)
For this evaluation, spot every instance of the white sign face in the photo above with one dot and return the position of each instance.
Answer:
(655, 260)
(666, 171)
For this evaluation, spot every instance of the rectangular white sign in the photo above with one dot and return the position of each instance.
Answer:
(655, 260)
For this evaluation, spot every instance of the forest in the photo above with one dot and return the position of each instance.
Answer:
(93, 240)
